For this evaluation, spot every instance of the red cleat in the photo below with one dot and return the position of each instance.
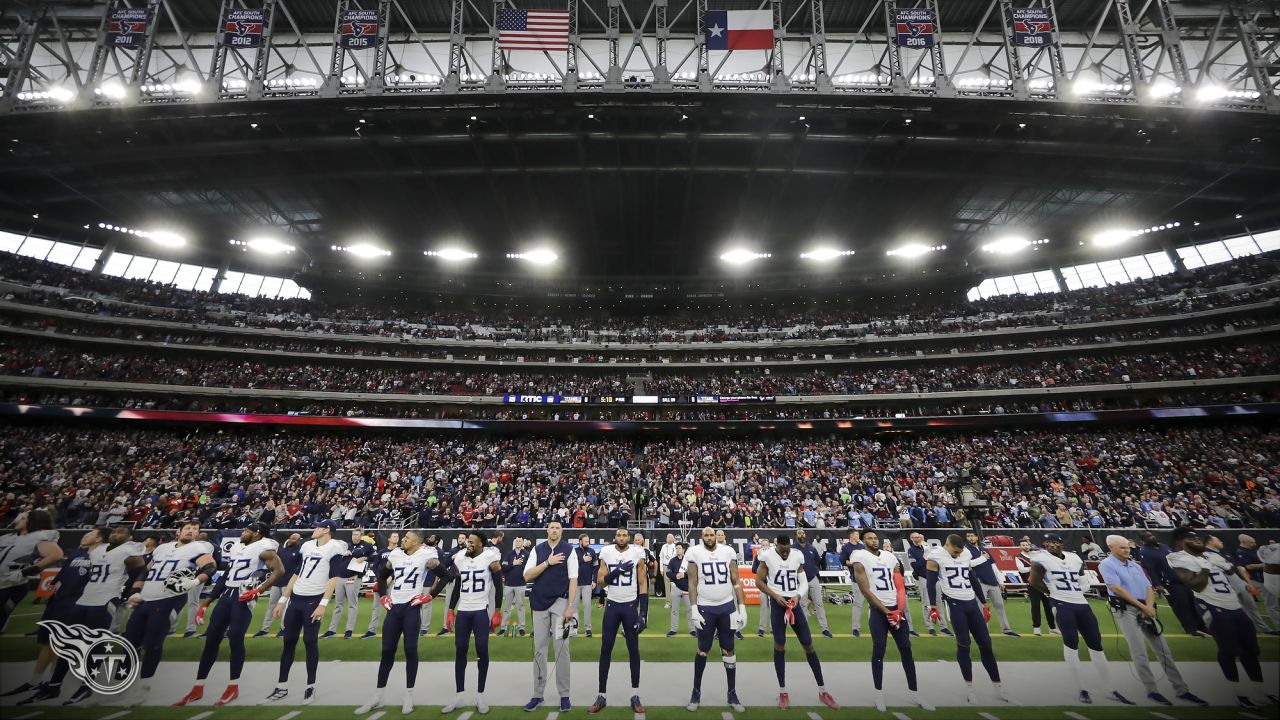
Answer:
(197, 692)
(826, 699)
(784, 701)
(231, 694)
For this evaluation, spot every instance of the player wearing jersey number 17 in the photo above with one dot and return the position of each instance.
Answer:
(478, 568)
(948, 567)
(785, 583)
(879, 579)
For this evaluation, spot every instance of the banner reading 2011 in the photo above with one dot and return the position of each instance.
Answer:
(127, 27)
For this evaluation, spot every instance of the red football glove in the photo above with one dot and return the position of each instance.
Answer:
(496, 621)
(895, 618)
(422, 599)
(789, 615)
(249, 596)
(386, 602)
(986, 613)
(448, 621)
(935, 615)
(200, 611)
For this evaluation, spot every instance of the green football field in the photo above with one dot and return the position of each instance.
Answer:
(17, 647)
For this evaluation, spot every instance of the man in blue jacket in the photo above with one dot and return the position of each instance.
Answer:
(513, 562)
(1152, 554)
(588, 565)
(552, 570)
(290, 552)
(852, 545)
(811, 560)
(983, 569)
(678, 589)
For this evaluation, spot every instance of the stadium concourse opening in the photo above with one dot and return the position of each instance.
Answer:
(717, 359)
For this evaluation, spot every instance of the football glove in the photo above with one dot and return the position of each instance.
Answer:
(740, 618)
(249, 596)
(421, 599)
(935, 615)
(695, 619)
(200, 611)
(895, 618)
(387, 602)
(986, 613)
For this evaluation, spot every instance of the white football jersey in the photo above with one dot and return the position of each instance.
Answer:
(953, 573)
(879, 569)
(785, 575)
(715, 586)
(18, 551)
(474, 578)
(409, 572)
(1269, 554)
(244, 561)
(625, 588)
(107, 573)
(313, 566)
(1218, 592)
(167, 559)
(1062, 575)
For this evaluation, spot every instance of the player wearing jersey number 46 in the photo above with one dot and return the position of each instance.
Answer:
(785, 583)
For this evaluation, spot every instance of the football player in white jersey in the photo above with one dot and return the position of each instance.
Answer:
(478, 568)
(879, 579)
(235, 594)
(717, 610)
(23, 555)
(624, 578)
(402, 584)
(176, 567)
(321, 563)
(948, 567)
(784, 583)
(1236, 636)
(1057, 574)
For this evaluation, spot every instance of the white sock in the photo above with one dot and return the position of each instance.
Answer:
(377, 695)
(1072, 657)
(822, 688)
(1099, 659)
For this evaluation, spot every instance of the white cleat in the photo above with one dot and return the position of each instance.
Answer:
(482, 707)
(922, 703)
(880, 706)
(370, 706)
(453, 705)
(138, 695)
(407, 707)
(971, 697)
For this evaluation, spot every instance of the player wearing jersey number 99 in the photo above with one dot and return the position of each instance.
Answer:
(715, 595)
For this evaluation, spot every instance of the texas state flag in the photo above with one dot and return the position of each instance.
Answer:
(739, 29)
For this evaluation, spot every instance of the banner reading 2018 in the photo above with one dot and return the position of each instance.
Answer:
(1032, 27)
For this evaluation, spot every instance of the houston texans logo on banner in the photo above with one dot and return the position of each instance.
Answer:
(243, 28)
(916, 28)
(358, 29)
(1032, 27)
(127, 27)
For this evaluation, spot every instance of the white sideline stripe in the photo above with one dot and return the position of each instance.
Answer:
(377, 715)
(1162, 716)
(465, 716)
(553, 715)
(989, 716)
(28, 715)
(726, 716)
(815, 716)
(286, 716)
(1243, 715)
(113, 716)
(200, 716)
(901, 716)
(1075, 716)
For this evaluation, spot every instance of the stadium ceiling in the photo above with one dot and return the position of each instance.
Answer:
(640, 183)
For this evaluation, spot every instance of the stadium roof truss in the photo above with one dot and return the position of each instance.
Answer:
(60, 54)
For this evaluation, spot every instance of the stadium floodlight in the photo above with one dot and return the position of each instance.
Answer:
(741, 256)
(1111, 238)
(1160, 90)
(364, 250)
(1010, 245)
(824, 254)
(267, 245)
(914, 250)
(540, 256)
(1211, 93)
(452, 254)
(166, 238)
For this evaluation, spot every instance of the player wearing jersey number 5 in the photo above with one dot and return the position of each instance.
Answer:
(948, 567)
(784, 581)
(718, 610)
(626, 585)
(879, 579)
(478, 569)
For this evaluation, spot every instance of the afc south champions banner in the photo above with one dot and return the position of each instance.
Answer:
(1032, 27)
(242, 28)
(358, 29)
(127, 27)
(915, 28)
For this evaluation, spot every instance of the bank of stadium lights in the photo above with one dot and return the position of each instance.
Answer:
(1010, 245)
(451, 254)
(742, 256)
(540, 256)
(1118, 236)
(984, 83)
(55, 95)
(287, 83)
(914, 250)
(861, 80)
(362, 250)
(110, 90)
(186, 86)
(825, 254)
(164, 238)
(265, 245)
(1085, 87)
(1216, 93)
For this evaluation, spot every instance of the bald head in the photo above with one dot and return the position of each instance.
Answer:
(1119, 547)
(1247, 542)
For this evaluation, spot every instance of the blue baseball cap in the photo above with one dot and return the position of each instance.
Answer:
(1054, 537)
(330, 525)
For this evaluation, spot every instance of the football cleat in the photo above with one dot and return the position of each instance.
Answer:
(230, 695)
(1157, 698)
(636, 707)
(857, 633)
(946, 631)
(1245, 703)
(308, 696)
(784, 701)
(368, 635)
(1121, 699)
(521, 632)
(23, 688)
(453, 704)
(482, 707)
(328, 634)
(1010, 633)
(374, 702)
(827, 634)
(826, 699)
(81, 694)
(922, 703)
(734, 702)
(565, 705)
(346, 635)
(598, 705)
(1085, 698)
(196, 694)
(277, 695)
(533, 704)
(672, 633)
(44, 692)
(694, 701)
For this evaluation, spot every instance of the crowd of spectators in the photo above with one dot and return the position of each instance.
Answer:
(34, 358)
(1168, 294)
(1200, 476)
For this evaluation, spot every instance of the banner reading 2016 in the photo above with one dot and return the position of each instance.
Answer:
(915, 27)
(358, 29)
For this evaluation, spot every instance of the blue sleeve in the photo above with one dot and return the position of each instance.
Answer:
(932, 585)
(338, 566)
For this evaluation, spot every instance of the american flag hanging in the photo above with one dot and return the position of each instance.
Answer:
(533, 29)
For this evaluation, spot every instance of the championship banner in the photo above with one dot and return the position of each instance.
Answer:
(243, 28)
(358, 29)
(916, 28)
(1032, 27)
(127, 27)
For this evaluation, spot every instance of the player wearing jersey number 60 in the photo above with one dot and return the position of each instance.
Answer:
(948, 567)
(785, 582)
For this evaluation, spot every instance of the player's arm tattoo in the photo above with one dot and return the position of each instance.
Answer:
(272, 560)
(693, 585)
